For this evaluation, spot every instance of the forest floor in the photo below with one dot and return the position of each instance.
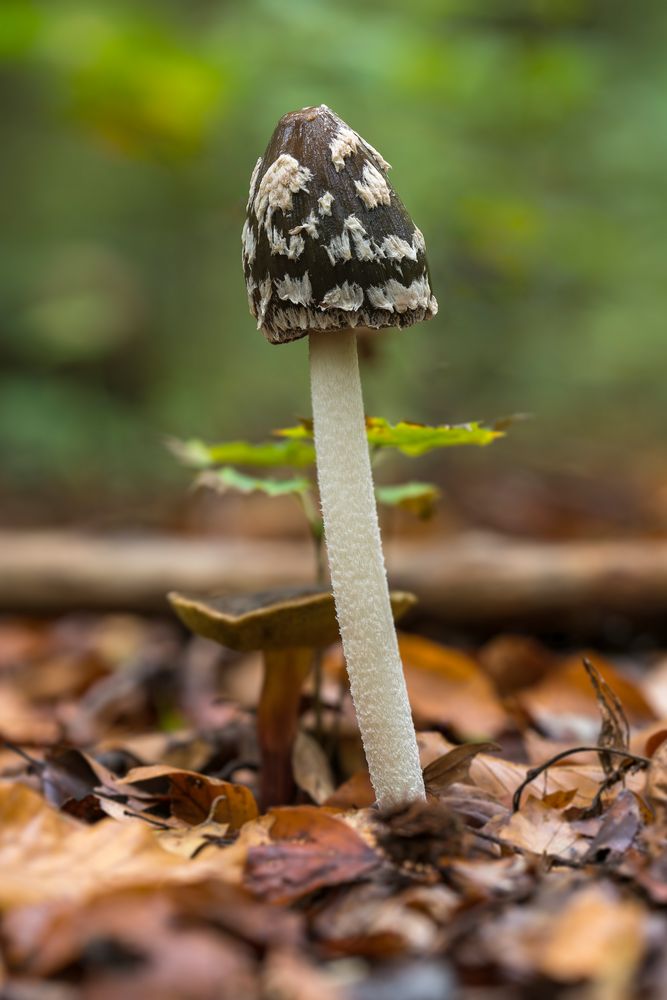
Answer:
(138, 860)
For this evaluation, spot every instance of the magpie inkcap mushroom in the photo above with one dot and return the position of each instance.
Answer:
(329, 247)
(327, 242)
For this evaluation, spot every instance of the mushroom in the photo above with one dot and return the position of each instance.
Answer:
(329, 247)
(286, 626)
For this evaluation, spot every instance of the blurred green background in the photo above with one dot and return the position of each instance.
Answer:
(528, 139)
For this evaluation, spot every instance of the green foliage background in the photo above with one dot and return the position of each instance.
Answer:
(528, 138)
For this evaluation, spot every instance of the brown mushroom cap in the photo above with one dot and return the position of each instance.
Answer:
(327, 242)
(274, 619)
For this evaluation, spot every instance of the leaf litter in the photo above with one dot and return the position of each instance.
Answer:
(134, 860)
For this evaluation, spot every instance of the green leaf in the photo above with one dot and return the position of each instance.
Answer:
(417, 439)
(270, 454)
(229, 478)
(302, 432)
(410, 439)
(418, 498)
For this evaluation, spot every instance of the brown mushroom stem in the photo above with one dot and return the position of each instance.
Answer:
(358, 574)
(285, 671)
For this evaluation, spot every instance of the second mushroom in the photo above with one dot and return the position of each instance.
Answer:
(328, 247)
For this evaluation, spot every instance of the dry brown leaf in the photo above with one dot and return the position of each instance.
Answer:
(287, 975)
(311, 768)
(542, 830)
(45, 855)
(572, 933)
(656, 785)
(500, 778)
(165, 930)
(599, 936)
(564, 704)
(448, 688)
(376, 921)
(309, 848)
(355, 793)
(615, 731)
(514, 662)
(193, 798)
(654, 687)
(618, 829)
(453, 766)
(23, 723)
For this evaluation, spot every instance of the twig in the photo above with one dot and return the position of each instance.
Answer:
(535, 772)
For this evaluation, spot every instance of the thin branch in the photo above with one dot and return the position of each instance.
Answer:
(535, 772)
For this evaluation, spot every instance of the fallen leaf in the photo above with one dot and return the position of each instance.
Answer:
(514, 662)
(23, 723)
(45, 855)
(376, 921)
(287, 974)
(540, 829)
(194, 798)
(157, 942)
(355, 793)
(596, 935)
(453, 766)
(615, 731)
(620, 826)
(448, 688)
(312, 771)
(571, 933)
(500, 778)
(654, 687)
(308, 849)
(564, 706)
(656, 786)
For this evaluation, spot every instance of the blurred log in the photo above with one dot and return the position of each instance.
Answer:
(473, 579)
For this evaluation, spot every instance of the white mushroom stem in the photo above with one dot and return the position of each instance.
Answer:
(358, 574)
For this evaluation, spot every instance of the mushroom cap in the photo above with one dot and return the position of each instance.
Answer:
(327, 242)
(273, 619)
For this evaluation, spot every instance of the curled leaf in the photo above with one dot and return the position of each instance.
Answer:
(615, 731)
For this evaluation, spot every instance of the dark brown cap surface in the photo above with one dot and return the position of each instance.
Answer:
(327, 243)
